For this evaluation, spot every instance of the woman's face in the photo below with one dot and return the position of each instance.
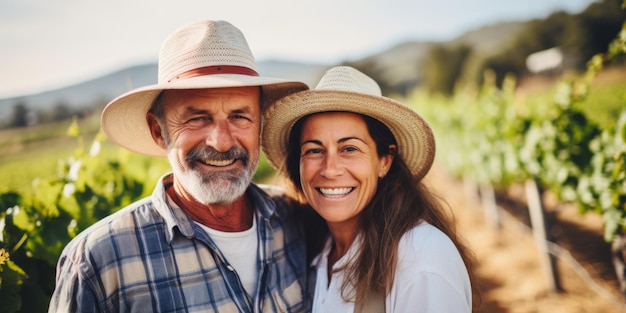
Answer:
(339, 165)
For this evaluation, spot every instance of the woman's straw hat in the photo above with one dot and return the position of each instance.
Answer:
(345, 89)
(205, 54)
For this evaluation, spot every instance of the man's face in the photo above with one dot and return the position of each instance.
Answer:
(212, 140)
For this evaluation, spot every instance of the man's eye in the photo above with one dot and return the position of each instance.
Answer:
(198, 119)
(241, 119)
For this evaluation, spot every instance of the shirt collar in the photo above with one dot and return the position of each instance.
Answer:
(321, 260)
(175, 217)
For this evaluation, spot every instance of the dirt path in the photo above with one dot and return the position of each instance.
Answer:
(511, 276)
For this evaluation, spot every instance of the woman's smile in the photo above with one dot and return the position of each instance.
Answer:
(335, 192)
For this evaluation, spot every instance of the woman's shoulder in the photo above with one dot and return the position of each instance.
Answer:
(425, 233)
(430, 270)
(427, 247)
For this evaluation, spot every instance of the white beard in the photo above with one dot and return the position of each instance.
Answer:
(217, 187)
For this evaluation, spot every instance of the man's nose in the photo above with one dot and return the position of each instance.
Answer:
(220, 137)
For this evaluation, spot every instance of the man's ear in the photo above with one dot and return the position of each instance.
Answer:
(386, 160)
(155, 130)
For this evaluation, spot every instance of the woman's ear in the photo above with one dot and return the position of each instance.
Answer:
(155, 130)
(386, 160)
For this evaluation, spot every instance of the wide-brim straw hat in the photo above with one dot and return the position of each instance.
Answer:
(344, 89)
(204, 54)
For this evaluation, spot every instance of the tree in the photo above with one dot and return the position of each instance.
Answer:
(599, 24)
(20, 115)
(443, 68)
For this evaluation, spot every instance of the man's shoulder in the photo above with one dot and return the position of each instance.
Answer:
(273, 196)
(127, 220)
(285, 207)
(272, 190)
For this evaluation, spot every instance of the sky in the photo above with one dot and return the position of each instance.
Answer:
(55, 43)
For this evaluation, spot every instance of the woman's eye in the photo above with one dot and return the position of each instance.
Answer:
(350, 149)
(312, 151)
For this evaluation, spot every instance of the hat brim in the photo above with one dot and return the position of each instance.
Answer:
(416, 143)
(124, 118)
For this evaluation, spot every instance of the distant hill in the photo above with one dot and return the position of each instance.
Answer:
(102, 89)
(86, 94)
(397, 66)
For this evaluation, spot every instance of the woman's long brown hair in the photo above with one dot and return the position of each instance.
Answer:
(400, 203)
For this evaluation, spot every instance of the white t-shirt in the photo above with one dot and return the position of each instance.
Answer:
(240, 251)
(430, 277)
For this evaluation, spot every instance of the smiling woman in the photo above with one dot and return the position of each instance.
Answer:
(357, 160)
(340, 167)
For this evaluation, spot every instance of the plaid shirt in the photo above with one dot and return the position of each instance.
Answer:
(151, 257)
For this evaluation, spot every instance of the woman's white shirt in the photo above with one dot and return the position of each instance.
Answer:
(430, 277)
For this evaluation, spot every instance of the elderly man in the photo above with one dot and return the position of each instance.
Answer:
(207, 239)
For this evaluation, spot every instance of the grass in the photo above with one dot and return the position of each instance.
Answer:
(32, 152)
(605, 100)
(37, 152)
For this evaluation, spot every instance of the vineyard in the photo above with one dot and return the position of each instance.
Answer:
(555, 151)
(509, 270)
(488, 138)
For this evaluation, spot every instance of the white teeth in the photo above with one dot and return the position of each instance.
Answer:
(335, 191)
(218, 162)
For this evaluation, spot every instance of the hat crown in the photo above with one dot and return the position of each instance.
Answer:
(345, 78)
(202, 44)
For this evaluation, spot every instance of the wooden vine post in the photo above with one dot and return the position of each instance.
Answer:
(539, 228)
(490, 206)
